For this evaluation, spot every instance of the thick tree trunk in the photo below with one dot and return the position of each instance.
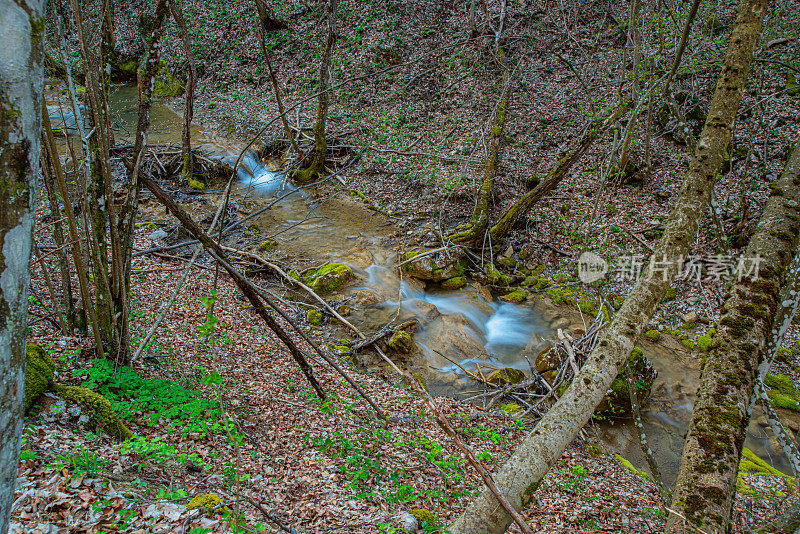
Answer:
(473, 231)
(21, 72)
(187, 170)
(549, 182)
(523, 472)
(317, 165)
(705, 487)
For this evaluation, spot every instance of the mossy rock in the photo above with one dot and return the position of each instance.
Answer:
(560, 295)
(792, 87)
(509, 263)
(358, 194)
(706, 343)
(593, 450)
(496, 277)
(166, 85)
(402, 342)
(196, 184)
(782, 392)
(423, 516)
(457, 282)
(529, 281)
(515, 297)
(688, 343)
(330, 277)
(314, 317)
(547, 360)
(587, 306)
(653, 335)
(671, 294)
(208, 504)
(618, 400)
(506, 375)
(39, 372)
(435, 267)
(103, 415)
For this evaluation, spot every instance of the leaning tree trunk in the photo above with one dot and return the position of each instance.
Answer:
(523, 472)
(317, 165)
(474, 230)
(187, 170)
(549, 182)
(706, 482)
(21, 72)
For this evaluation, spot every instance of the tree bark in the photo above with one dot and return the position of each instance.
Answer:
(523, 472)
(705, 487)
(474, 230)
(549, 182)
(187, 170)
(22, 75)
(317, 165)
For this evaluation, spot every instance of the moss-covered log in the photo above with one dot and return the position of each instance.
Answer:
(102, 413)
(713, 448)
(522, 474)
(549, 182)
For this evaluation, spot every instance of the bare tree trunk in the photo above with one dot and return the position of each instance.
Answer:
(264, 24)
(523, 472)
(705, 487)
(126, 221)
(21, 72)
(187, 170)
(549, 182)
(317, 165)
(474, 230)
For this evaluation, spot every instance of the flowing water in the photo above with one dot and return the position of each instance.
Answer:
(466, 326)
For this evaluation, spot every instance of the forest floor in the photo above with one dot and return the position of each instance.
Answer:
(333, 466)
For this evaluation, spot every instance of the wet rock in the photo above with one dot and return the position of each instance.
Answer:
(402, 342)
(366, 297)
(515, 297)
(327, 278)
(435, 267)
(507, 375)
(456, 282)
(455, 337)
(547, 360)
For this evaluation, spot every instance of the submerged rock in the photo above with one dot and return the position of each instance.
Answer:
(327, 278)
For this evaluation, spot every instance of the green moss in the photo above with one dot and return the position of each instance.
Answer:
(104, 416)
(196, 184)
(653, 335)
(457, 282)
(39, 372)
(507, 375)
(167, 85)
(675, 333)
(629, 467)
(587, 306)
(509, 263)
(208, 504)
(560, 295)
(423, 516)
(792, 87)
(688, 326)
(671, 294)
(401, 342)
(705, 343)
(688, 343)
(330, 277)
(515, 297)
(753, 465)
(510, 408)
(593, 450)
(636, 354)
(314, 317)
(782, 384)
(267, 245)
(497, 278)
(358, 194)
